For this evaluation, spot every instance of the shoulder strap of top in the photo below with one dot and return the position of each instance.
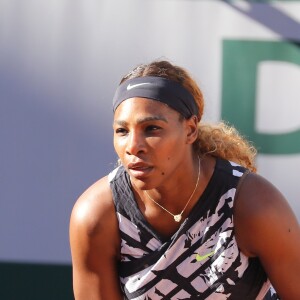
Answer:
(241, 181)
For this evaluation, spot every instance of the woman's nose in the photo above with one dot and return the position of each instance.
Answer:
(135, 144)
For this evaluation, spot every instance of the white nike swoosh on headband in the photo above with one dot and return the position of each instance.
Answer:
(129, 87)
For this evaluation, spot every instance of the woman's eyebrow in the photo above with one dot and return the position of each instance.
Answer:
(143, 120)
(152, 118)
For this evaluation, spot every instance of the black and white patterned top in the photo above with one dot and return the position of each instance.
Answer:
(201, 260)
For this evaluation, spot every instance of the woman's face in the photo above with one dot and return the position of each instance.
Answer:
(152, 141)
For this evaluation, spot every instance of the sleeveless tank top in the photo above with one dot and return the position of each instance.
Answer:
(201, 260)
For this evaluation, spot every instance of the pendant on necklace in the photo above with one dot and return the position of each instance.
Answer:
(177, 218)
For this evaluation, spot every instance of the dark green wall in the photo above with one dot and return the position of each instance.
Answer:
(20, 281)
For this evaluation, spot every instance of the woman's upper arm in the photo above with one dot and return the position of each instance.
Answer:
(267, 228)
(95, 245)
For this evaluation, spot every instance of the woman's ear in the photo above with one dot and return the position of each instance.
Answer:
(192, 129)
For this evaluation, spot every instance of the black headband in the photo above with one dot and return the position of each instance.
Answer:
(157, 88)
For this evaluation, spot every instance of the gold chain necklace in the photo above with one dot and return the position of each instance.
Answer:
(178, 217)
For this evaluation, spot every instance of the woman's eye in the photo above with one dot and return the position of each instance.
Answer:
(121, 131)
(152, 128)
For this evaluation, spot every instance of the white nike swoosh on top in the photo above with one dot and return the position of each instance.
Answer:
(129, 87)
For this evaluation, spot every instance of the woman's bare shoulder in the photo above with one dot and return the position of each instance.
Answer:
(95, 244)
(259, 197)
(95, 207)
(261, 212)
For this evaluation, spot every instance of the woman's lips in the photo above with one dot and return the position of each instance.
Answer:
(139, 170)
